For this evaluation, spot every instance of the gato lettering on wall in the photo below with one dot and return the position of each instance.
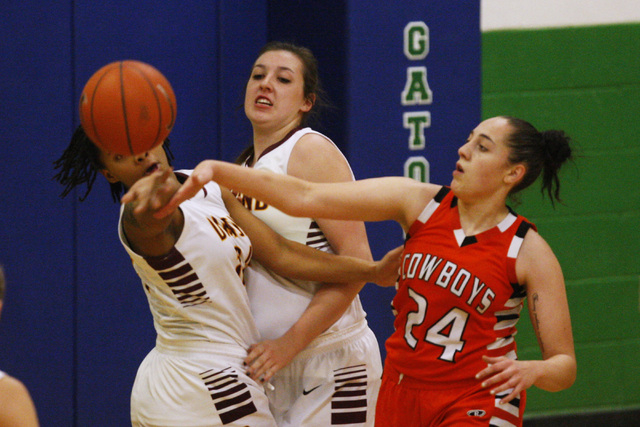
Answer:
(416, 93)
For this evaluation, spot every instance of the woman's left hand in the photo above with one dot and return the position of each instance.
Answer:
(267, 357)
(505, 374)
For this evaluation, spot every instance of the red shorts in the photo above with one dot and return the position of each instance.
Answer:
(405, 401)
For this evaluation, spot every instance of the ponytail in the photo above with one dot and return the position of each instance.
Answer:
(556, 151)
(540, 152)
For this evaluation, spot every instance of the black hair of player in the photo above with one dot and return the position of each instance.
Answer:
(80, 163)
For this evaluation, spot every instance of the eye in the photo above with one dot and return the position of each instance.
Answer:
(284, 80)
(118, 157)
(482, 148)
(257, 76)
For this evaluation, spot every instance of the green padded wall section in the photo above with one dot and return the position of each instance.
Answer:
(586, 81)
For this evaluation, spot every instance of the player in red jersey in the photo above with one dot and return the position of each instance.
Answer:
(468, 264)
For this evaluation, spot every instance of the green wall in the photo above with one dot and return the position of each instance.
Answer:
(586, 81)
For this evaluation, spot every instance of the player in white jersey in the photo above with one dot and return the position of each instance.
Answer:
(191, 264)
(335, 380)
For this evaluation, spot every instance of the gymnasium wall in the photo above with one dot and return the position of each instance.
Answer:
(585, 80)
(76, 325)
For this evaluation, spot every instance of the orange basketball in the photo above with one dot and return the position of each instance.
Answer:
(127, 107)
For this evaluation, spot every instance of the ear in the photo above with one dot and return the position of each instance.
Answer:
(112, 179)
(308, 103)
(515, 174)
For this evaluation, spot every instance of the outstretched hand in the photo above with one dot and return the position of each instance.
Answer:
(267, 357)
(507, 374)
(388, 268)
(201, 175)
(151, 192)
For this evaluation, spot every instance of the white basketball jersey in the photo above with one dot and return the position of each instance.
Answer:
(196, 291)
(267, 289)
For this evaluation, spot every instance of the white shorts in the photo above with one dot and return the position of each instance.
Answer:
(336, 382)
(178, 387)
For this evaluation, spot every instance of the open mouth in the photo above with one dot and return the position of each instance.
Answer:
(263, 101)
(151, 169)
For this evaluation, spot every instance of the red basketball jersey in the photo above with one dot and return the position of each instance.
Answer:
(458, 296)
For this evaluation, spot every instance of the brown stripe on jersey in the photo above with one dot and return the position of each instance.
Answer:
(316, 238)
(231, 397)
(350, 382)
(274, 145)
(164, 262)
(178, 274)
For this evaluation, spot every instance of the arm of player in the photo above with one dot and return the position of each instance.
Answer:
(298, 261)
(539, 270)
(377, 199)
(147, 234)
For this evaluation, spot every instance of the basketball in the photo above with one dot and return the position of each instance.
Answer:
(127, 107)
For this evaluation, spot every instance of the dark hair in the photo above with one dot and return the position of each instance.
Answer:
(80, 163)
(541, 152)
(311, 85)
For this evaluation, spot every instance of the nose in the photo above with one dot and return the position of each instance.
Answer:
(139, 158)
(266, 82)
(463, 151)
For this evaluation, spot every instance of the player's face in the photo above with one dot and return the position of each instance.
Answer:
(274, 97)
(129, 169)
(484, 167)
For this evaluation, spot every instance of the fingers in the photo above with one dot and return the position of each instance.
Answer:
(146, 190)
(515, 393)
(202, 174)
(189, 189)
(490, 361)
(260, 364)
(502, 372)
(389, 267)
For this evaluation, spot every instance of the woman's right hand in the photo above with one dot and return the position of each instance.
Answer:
(388, 268)
(201, 175)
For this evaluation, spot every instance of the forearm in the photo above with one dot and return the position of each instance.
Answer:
(299, 261)
(347, 238)
(327, 306)
(283, 191)
(556, 373)
(374, 199)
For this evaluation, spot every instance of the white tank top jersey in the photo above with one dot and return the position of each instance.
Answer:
(196, 292)
(277, 302)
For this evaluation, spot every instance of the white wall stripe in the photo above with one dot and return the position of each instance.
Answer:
(525, 14)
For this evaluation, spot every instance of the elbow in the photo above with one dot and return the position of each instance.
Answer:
(570, 379)
(302, 202)
(572, 373)
(566, 379)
